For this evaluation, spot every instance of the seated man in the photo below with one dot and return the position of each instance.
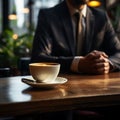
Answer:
(93, 49)
(55, 39)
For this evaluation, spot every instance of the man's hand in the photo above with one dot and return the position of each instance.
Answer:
(95, 62)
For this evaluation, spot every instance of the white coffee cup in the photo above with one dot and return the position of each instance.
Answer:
(44, 71)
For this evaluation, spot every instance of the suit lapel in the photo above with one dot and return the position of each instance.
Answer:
(89, 32)
(67, 23)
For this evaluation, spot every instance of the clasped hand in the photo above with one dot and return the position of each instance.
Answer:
(95, 62)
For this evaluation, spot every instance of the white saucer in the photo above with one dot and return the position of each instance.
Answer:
(30, 81)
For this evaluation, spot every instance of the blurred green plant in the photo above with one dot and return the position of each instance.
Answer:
(115, 15)
(12, 47)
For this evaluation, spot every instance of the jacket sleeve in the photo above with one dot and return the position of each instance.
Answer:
(113, 42)
(42, 50)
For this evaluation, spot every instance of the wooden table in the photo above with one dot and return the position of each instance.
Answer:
(81, 91)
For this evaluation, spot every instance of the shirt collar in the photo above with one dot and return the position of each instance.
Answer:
(74, 10)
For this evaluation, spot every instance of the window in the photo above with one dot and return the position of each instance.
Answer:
(20, 15)
(26, 12)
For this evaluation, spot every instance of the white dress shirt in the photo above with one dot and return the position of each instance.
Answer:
(72, 10)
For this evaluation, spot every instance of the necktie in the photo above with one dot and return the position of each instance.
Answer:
(79, 33)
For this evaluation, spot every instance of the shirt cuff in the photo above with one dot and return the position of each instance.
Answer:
(75, 62)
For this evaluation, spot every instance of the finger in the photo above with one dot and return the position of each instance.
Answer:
(102, 67)
(103, 70)
(104, 54)
(93, 55)
(102, 64)
(101, 53)
(99, 60)
(90, 56)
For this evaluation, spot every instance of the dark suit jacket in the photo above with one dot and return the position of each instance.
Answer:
(54, 40)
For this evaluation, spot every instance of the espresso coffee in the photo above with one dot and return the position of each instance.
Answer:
(44, 72)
